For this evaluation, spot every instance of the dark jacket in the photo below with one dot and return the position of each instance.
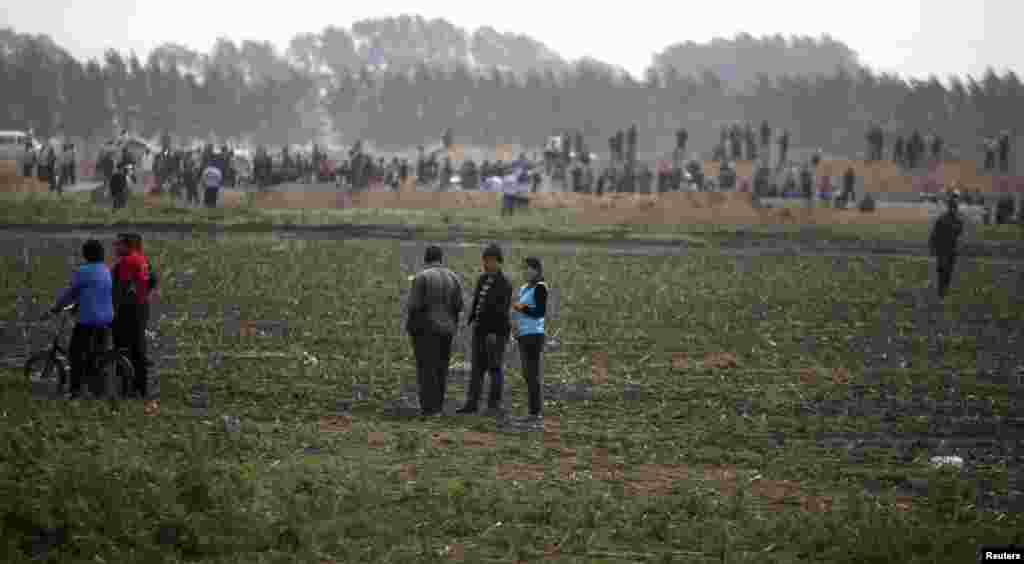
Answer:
(118, 183)
(492, 301)
(947, 230)
(435, 302)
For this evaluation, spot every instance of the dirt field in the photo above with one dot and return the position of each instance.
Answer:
(633, 209)
(11, 181)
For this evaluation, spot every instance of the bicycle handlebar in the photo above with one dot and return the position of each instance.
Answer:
(66, 309)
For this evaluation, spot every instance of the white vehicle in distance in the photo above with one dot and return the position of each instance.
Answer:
(12, 145)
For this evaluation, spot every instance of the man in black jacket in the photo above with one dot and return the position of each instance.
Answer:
(492, 301)
(119, 187)
(943, 242)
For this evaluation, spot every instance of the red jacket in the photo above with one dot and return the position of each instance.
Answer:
(131, 278)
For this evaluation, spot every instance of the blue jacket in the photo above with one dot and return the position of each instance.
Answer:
(92, 288)
(531, 322)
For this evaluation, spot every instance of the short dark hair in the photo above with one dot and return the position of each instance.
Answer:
(92, 251)
(534, 263)
(433, 254)
(493, 250)
(133, 240)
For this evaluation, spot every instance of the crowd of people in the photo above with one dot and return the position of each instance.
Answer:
(915, 150)
(566, 163)
(47, 164)
(173, 170)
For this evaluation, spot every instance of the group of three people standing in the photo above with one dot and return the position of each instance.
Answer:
(435, 304)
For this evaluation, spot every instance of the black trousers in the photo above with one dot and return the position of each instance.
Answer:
(487, 359)
(120, 199)
(945, 264)
(130, 333)
(85, 342)
(531, 347)
(433, 353)
(210, 198)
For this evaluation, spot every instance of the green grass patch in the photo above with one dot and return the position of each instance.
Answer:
(175, 488)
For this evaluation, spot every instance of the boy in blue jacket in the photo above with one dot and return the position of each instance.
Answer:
(92, 289)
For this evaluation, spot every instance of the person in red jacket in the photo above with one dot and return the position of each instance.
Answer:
(133, 283)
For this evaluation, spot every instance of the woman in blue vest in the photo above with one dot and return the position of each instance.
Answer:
(530, 311)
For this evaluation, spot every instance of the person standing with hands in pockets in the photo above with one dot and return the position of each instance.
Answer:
(530, 310)
(491, 303)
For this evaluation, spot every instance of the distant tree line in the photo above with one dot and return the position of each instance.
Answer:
(250, 90)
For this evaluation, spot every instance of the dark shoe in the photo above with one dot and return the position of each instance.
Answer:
(534, 421)
(466, 410)
(493, 412)
(432, 414)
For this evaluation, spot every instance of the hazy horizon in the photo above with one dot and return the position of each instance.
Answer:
(900, 38)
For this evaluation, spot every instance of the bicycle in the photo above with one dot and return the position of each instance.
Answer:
(50, 368)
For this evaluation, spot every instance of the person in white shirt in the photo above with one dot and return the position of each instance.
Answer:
(212, 180)
(493, 184)
(513, 186)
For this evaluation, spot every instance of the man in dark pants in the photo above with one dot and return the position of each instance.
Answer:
(849, 184)
(492, 301)
(119, 188)
(1004, 153)
(943, 242)
(91, 289)
(531, 308)
(190, 179)
(783, 147)
(133, 284)
(682, 136)
(435, 303)
(807, 185)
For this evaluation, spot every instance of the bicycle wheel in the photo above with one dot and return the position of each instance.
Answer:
(47, 374)
(116, 373)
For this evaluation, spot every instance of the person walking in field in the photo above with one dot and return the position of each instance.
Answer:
(28, 160)
(489, 315)
(119, 188)
(213, 178)
(1004, 152)
(943, 242)
(783, 147)
(435, 304)
(530, 310)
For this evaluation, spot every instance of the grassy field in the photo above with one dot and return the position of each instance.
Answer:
(738, 363)
(530, 225)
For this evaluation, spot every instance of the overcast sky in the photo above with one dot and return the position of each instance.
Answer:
(892, 35)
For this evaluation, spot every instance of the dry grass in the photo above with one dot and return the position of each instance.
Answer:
(11, 181)
(679, 208)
